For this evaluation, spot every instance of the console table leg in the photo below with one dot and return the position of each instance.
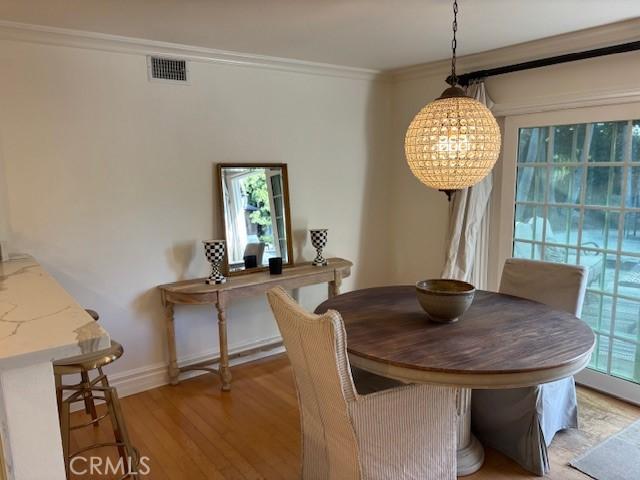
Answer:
(334, 285)
(225, 371)
(174, 371)
(470, 454)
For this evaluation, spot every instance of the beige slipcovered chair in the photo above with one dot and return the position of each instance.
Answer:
(521, 422)
(402, 433)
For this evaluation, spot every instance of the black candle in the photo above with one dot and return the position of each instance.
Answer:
(250, 261)
(275, 265)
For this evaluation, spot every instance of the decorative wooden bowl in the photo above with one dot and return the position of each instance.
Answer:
(445, 300)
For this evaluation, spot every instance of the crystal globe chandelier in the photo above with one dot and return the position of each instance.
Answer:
(454, 141)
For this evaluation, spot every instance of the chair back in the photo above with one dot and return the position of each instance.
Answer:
(555, 284)
(316, 346)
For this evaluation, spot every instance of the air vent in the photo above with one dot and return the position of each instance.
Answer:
(173, 70)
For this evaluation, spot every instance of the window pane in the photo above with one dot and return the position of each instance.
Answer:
(621, 139)
(597, 311)
(635, 141)
(629, 277)
(591, 309)
(537, 251)
(532, 144)
(562, 225)
(568, 143)
(539, 224)
(596, 263)
(565, 184)
(626, 325)
(524, 215)
(279, 205)
(603, 186)
(625, 360)
(531, 184)
(610, 264)
(522, 250)
(556, 254)
(631, 235)
(276, 185)
(632, 195)
(600, 353)
(607, 141)
(600, 229)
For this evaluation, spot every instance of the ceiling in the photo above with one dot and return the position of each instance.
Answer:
(375, 34)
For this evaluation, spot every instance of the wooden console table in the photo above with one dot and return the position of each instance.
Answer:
(197, 292)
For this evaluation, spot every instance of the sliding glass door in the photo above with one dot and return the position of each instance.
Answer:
(576, 200)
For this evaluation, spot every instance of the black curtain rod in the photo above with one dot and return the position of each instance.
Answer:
(468, 78)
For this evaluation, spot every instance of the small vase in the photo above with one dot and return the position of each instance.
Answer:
(319, 241)
(214, 250)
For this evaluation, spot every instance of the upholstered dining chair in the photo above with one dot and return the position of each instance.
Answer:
(521, 422)
(401, 433)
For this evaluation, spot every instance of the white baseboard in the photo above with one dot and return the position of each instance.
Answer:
(152, 376)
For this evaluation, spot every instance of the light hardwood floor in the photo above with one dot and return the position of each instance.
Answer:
(194, 431)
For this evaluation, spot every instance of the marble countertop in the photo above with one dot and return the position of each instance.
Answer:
(39, 320)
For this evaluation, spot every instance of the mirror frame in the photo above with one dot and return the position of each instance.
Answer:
(287, 212)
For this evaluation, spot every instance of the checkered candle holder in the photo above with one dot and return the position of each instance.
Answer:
(214, 251)
(319, 241)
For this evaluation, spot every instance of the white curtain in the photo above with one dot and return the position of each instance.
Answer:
(235, 220)
(468, 243)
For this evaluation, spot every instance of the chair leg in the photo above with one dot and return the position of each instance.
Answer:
(65, 431)
(125, 449)
(58, 380)
(104, 380)
(89, 403)
(127, 452)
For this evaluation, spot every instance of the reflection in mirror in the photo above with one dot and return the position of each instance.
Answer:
(255, 208)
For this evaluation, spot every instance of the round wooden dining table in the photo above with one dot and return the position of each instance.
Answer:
(502, 341)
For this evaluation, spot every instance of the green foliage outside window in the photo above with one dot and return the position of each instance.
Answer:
(255, 186)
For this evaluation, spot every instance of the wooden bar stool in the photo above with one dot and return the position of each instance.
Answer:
(89, 390)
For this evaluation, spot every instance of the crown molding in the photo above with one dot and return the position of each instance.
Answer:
(23, 32)
(602, 36)
(606, 35)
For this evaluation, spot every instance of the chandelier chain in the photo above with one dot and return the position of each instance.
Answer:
(454, 44)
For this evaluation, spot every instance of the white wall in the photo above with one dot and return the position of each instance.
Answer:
(421, 214)
(110, 179)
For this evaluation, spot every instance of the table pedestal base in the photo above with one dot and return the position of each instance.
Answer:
(470, 454)
(470, 458)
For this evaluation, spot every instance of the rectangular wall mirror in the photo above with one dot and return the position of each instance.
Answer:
(254, 200)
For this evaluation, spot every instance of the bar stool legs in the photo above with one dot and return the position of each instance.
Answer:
(65, 429)
(99, 389)
(125, 449)
(89, 404)
(88, 391)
